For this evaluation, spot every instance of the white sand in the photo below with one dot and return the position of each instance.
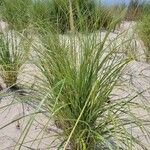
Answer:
(3, 26)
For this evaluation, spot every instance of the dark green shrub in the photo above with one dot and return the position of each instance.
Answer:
(1, 2)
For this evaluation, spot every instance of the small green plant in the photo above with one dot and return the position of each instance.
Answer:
(14, 52)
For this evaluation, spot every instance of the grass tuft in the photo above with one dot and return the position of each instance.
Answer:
(144, 29)
(14, 53)
(80, 75)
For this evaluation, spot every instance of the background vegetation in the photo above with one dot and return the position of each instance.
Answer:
(56, 14)
(144, 29)
(16, 13)
(134, 10)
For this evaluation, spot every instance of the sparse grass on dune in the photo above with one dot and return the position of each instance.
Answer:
(14, 52)
(143, 29)
(134, 10)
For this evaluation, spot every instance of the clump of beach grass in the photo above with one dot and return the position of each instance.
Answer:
(79, 77)
(14, 52)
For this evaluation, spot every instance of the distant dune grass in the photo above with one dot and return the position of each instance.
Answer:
(144, 29)
(134, 10)
(58, 17)
(16, 13)
(21, 14)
